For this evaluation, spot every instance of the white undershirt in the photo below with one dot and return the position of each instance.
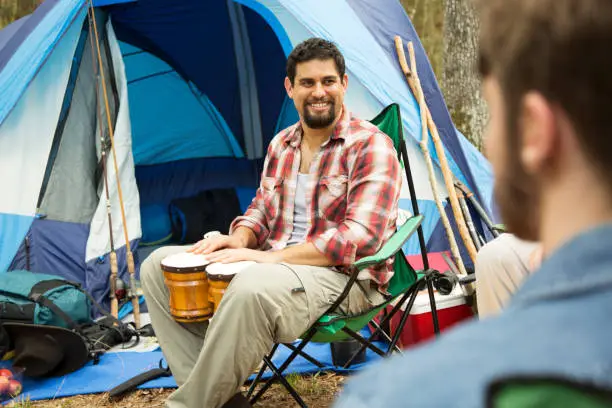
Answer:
(300, 216)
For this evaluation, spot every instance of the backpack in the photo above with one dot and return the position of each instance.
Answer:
(38, 298)
(48, 300)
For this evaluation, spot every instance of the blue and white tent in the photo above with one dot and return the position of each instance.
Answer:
(195, 93)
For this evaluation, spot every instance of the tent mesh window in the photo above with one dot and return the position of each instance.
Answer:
(73, 179)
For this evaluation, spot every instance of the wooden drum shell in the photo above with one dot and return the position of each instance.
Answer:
(189, 299)
(217, 284)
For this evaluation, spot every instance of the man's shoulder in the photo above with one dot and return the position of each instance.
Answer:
(280, 140)
(362, 132)
(363, 128)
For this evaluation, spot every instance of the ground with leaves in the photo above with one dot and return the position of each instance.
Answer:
(318, 390)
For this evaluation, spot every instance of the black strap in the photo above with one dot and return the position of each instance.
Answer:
(140, 379)
(54, 283)
(44, 286)
(111, 322)
(44, 301)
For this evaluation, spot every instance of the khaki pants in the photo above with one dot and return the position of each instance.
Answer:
(264, 304)
(501, 267)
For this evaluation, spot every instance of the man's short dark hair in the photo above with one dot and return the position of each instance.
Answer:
(311, 49)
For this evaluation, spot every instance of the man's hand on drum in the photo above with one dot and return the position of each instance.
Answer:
(229, 255)
(215, 243)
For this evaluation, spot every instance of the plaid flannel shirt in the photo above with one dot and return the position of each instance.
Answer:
(352, 195)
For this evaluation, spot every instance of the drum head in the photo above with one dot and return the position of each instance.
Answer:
(226, 271)
(184, 262)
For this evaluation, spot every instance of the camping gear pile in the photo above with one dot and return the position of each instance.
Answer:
(47, 324)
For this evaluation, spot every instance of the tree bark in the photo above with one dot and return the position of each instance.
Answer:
(460, 79)
(11, 10)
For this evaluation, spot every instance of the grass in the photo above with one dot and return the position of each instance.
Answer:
(22, 402)
(318, 390)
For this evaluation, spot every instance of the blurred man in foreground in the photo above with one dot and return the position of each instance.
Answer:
(546, 76)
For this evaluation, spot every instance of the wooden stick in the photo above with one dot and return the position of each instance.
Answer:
(424, 147)
(446, 173)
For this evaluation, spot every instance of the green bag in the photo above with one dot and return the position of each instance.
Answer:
(38, 298)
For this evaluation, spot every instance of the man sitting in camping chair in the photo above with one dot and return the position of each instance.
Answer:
(327, 198)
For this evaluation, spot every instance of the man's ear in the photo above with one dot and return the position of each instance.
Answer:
(345, 81)
(288, 87)
(539, 132)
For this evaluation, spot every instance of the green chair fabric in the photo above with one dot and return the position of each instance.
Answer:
(542, 392)
(329, 327)
(388, 121)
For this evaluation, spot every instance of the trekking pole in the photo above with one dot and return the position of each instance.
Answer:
(129, 255)
(446, 173)
(412, 74)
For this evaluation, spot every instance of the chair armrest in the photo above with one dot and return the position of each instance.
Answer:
(393, 245)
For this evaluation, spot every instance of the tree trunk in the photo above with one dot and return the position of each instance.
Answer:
(460, 79)
(11, 10)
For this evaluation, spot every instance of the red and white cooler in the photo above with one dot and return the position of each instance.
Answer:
(452, 309)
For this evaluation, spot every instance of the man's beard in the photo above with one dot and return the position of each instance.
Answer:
(517, 197)
(322, 120)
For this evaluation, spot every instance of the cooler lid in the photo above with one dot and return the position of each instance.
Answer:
(421, 303)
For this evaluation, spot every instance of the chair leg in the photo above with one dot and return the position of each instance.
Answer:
(404, 317)
(383, 333)
(261, 372)
(413, 196)
(432, 304)
(305, 355)
(385, 328)
(411, 292)
(364, 342)
(285, 383)
(284, 366)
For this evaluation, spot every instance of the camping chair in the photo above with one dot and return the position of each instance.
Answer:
(405, 283)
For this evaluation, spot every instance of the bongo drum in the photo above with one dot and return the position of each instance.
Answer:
(185, 277)
(219, 277)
